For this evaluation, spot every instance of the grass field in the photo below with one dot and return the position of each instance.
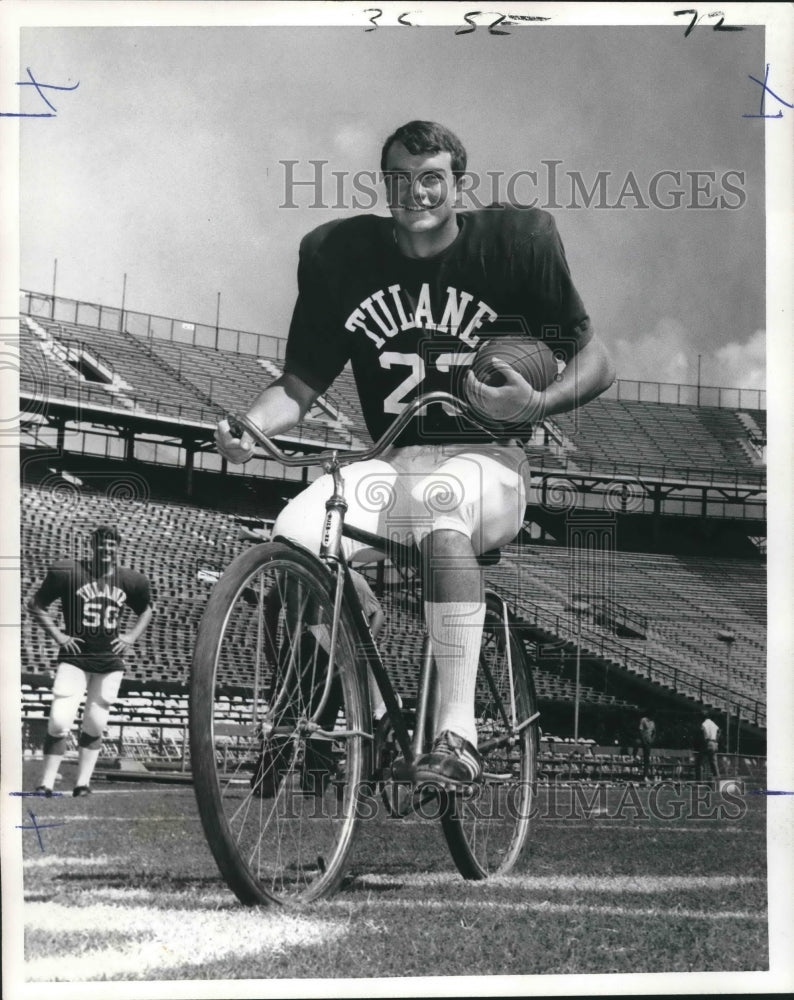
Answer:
(121, 886)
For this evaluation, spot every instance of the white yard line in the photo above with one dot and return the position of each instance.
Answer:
(155, 940)
(563, 883)
(544, 907)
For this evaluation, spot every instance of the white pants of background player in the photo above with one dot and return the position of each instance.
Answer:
(477, 490)
(101, 691)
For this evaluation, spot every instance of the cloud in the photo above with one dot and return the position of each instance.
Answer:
(668, 354)
(742, 365)
(663, 355)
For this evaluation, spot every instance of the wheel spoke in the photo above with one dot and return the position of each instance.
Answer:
(487, 829)
(270, 727)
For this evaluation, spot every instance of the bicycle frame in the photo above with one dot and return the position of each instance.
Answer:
(331, 555)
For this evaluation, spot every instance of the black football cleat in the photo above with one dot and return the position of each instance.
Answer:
(453, 763)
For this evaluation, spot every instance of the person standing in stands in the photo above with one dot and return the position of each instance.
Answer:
(94, 594)
(646, 737)
(706, 743)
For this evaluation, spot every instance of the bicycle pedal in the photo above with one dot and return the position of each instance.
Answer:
(401, 771)
(398, 797)
(468, 790)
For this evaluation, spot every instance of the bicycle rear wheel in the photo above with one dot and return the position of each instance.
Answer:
(487, 828)
(278, 736)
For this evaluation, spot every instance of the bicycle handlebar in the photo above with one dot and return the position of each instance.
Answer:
(389, 435)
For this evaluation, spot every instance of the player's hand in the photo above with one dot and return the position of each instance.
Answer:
(122, 644)
(234, 449)
(513, 402)
(70, 644)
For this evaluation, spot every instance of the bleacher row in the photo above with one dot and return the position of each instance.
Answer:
(181, 548)
(156, 377)
(400, 644)
(607, 432)
(661, 435)
(687, 602)
(587, 762)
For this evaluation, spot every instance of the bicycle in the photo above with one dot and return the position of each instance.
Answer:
(283, 748)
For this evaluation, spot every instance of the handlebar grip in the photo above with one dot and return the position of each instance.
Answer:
(236, 429)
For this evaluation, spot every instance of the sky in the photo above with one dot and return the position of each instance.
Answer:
(167, 164)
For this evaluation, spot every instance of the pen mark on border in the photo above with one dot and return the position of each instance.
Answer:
(40, 88)
(38, 827)
(766, 89)
(36, 795)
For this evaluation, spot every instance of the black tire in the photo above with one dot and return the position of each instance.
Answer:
(487, 829)
(278, 750)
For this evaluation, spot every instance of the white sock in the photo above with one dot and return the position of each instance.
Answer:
(375, 698)
(52, 763)
(86, 763)
(376, 701)
(455, 630)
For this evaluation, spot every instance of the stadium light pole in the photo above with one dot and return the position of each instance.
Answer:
(729, 638)
(579, 608)
(217, 321)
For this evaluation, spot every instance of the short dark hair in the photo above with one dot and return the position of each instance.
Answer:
(427, 137)
(105, 531)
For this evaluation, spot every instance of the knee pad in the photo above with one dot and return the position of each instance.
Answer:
(54, 745)
(89, 742)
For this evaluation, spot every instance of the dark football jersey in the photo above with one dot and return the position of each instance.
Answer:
(92, 607)
(413, 326)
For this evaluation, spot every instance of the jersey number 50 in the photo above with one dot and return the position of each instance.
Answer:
(93, 616)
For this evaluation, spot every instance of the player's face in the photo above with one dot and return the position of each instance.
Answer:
(420, 188)
(106, 552)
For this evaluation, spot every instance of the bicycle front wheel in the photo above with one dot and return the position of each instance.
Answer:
(278, 727)
(487, 828)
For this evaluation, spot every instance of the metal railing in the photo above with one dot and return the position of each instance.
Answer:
(79, 395)
(150, 326)
(615, 615)
(630, 390)
(179, 331)
(648, 472)
(605, 647)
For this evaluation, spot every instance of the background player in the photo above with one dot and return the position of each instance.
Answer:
(407, 300)
(706, 746)
(93, 595)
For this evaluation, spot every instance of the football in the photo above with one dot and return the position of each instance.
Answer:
(532, 359)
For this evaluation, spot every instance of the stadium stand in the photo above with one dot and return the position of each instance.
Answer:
(676, 574)
(656, 436)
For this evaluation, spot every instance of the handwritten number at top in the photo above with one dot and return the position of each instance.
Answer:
(493, 27)
(719, 26)
(377, 12)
